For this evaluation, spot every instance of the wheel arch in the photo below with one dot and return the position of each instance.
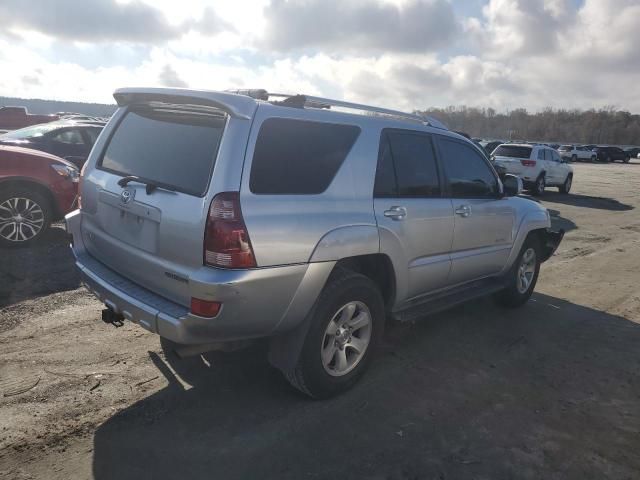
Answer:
(29, 183)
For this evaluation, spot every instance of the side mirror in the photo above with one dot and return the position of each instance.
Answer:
(512, 185)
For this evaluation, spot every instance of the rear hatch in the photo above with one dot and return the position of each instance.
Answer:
(510, 157)
(145, 195)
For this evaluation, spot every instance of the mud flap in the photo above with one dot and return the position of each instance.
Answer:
(284, 349)
(550, 242)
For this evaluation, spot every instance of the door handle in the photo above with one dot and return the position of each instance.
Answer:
(463, 210)
(396, 213)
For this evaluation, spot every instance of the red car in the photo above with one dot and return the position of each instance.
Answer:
(12, 118)
(36, 188)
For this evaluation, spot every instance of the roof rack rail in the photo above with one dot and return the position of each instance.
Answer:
(301, 101)
(320, 102)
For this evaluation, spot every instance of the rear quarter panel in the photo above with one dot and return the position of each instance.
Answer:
(286, 229)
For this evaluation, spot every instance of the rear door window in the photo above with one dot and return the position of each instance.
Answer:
(171, 146)
(407, 166)
(70, 135)
(296, 157)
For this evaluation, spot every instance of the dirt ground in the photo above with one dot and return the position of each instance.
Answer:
(550, 391)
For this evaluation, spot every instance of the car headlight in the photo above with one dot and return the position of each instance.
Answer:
(67, 171)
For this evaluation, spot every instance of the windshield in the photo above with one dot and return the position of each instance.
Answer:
(166, 145)
(29, 132)
(513, 151)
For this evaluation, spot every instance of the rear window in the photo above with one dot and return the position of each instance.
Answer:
(172, 147)
(512, 151)
(299, 157)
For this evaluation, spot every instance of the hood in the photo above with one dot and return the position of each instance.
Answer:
(28, 152)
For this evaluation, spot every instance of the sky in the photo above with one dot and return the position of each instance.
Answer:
(404, 54)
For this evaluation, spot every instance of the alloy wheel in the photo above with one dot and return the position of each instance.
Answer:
(526, 270)
(21, 219)
(346, 339)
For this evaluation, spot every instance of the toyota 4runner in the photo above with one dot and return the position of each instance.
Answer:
(212, 218)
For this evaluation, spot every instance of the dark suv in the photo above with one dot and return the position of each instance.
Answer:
(69, 140)
(611, 154)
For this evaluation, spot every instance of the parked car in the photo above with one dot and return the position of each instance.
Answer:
(320, 225)
(36, 188)
(574, 153)
(12, 118)
(609, 154)
(632, 151)
(490, 145)
(69, 140)
(539, 166)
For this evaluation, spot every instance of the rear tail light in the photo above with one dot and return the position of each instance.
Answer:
(226, 240)
(205, 308)
(528, 163)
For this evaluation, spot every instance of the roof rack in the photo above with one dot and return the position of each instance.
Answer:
(301, 101)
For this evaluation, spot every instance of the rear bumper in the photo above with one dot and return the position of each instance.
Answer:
(255, 303)
(551, 241)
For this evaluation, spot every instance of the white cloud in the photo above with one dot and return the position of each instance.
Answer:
(517, 54)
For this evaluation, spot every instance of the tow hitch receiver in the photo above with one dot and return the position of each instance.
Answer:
(110, 316)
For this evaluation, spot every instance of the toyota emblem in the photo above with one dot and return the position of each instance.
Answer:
(126, 196)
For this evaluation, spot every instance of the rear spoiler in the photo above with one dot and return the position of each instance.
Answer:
(238, 106)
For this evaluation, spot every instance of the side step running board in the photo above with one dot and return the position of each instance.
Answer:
(442, 301)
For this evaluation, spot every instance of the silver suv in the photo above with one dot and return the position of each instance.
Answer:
(212, 218)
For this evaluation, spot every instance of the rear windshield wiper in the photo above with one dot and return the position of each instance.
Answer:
(150, 186)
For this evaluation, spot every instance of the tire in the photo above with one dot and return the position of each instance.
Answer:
(626, 159)
(566, 186)
(25, 216)
(607, 160)
(514, 295)
(345, 290)
(574, 158)
(539, 186)
(594, 159)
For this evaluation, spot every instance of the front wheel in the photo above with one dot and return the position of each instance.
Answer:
(24, 216)
(345, 328)
(593, 159)
(574, 158)
(626, 159)
(522, 278)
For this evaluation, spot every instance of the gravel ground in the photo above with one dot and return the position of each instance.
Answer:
(549, 391)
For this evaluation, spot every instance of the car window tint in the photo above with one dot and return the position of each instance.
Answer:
(413, 164)
(299, 157)
(512, 151)
(386, 184)
(555, 155)
(72, 136)
(547, 154)
(92, 133)
(540, 154)
(468, 173)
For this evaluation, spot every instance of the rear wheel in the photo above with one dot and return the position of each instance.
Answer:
(539, 185)
(607, 160)
(574, 158)
(626, 159)
(593, 159)
(346, 326)
(522, 278)
(566, 186)
(24, 216)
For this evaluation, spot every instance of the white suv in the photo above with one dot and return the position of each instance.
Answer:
(574, 153)
(538, 166)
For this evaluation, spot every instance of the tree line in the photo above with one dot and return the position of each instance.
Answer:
(603, 126)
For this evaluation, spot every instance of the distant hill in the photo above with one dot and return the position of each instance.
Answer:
(35, 105)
